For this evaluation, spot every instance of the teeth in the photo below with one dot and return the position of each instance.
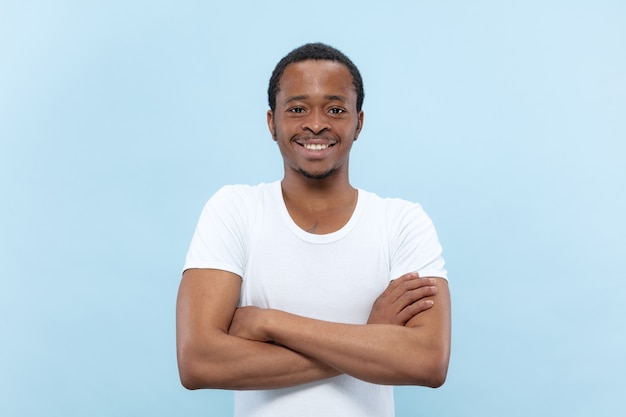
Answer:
(315, 146)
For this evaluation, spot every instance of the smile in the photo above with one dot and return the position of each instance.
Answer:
(315, 146)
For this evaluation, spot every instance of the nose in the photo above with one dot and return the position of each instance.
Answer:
(316, 123)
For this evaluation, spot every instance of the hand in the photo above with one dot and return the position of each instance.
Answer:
(246, 324)
(403, 299)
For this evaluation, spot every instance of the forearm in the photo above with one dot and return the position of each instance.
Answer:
(378, 353)
(228, 362)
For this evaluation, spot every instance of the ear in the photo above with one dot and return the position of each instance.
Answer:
(270, 124)
(359, 124)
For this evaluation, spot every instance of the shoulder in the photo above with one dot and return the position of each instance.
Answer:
(238, 194)
(244, 190)
(394, 209)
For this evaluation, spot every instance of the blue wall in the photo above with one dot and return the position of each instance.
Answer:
(119, 119)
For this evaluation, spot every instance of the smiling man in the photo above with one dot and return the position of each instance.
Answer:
(316, 110)
(307, 296)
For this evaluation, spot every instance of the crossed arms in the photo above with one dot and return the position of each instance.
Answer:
(405, 342)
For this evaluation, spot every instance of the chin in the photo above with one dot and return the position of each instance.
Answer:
(316, 175)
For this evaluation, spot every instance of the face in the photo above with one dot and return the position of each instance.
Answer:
(316, 120)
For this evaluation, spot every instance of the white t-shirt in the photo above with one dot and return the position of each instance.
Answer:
(336, 277)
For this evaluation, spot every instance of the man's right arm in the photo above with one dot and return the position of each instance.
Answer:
(208, 357)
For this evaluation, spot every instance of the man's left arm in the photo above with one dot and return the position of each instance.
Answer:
(414, 354)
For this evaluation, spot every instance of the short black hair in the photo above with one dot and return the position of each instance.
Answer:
(318, 52)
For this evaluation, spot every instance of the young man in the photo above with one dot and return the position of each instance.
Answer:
(308, 296)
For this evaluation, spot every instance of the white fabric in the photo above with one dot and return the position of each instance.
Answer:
(336, 277)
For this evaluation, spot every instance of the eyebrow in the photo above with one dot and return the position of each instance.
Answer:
(329, 97)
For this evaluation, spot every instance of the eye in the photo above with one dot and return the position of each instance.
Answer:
(296, 110)
(336, 110)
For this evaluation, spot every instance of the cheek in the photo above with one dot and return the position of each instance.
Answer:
(355, 132)
(277, 130)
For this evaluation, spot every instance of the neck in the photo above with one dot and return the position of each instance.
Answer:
(319, 206)
(331, 189)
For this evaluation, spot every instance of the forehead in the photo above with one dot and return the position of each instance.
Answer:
(316, 76)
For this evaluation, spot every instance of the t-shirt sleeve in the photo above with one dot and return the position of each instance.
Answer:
(219, 241)
(414, 244)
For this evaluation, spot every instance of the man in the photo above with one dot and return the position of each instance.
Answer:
(308, 296)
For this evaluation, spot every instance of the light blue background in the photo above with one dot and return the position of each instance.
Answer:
(506, 120)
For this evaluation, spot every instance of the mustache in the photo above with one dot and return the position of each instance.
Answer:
(323, 136)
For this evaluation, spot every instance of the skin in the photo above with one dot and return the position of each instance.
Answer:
(407, 337)
(316, 105)
(211, 357)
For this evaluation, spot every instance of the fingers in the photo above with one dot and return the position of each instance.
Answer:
(403, 299)
(414, 309)
(408, 296)
(414, 301)
(409, 288)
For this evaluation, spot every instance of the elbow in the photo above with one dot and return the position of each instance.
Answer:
(431, 373)
(188, 375)
(201, 365)
(436, 379)
(189, 382)
(437, 371)
(195, 373)
(202, 371)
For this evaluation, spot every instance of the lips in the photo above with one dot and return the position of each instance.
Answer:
(315, 144)
(316, 149)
